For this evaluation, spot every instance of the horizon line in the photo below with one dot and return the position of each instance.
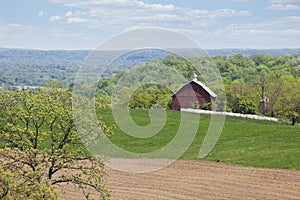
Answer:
(227, 48)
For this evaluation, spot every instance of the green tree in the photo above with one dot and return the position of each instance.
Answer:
(41, 147)
(163, 97)
(55, 84)
(261, 59)
(241, 97)
(288, 104)
(141, 99)
(263, 79)
(247, 107)
(17, 182)
(180, 64)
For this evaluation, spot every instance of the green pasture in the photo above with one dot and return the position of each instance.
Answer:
(243, 141)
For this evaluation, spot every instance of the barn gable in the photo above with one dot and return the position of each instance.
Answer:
(193, 94)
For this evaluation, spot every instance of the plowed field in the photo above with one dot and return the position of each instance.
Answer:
(201, 180)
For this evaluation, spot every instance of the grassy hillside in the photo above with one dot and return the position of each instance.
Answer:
(243, 141)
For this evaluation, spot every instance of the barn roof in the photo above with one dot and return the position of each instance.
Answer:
(211, 93)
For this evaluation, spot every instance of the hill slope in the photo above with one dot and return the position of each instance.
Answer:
(243, 141)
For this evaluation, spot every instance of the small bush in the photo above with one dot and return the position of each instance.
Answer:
(207, 106)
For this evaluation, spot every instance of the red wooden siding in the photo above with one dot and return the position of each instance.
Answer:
(190, 95)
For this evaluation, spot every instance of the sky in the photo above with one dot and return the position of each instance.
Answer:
(213, 24)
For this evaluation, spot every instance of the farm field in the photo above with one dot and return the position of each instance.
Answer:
(201, 180)
(243, 141)
(252, 160)
(245, 163)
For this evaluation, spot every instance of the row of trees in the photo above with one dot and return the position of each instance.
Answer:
(40, 147)
(254, 85)
(281, 97)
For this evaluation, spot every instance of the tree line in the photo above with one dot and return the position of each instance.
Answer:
(260, 84)
(37, 67)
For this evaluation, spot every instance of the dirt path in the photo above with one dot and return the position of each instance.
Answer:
(202, 180)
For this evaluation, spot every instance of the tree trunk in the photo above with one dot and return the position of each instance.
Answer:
(293, 121)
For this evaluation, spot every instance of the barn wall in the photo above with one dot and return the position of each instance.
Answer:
(189, 96)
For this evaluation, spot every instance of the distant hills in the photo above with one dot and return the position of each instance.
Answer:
(251, 52)
(76, 57)
(35, 67)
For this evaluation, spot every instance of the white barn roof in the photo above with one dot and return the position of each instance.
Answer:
(211, 93)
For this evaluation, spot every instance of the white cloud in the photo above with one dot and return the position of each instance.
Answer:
(117, 15)
(244, 0)
(229, 13)
(191, 32)
(10, 26)
(92, 3)
(284, 1)
(77, 20)
(283, 7)
(138, 3)
(57, 19)
(160, 18)
(137, 13)
(219, 13)
(260, 35)
(41, 37)
(69, 14)
(42, 13)
(265, 32)
(70, 19)
(284, 26)
(157, 7)
(292, 19)
(255, 25)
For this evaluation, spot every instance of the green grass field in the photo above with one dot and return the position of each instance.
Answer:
(243, 141)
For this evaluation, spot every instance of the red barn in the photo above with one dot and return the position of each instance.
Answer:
(193, 95)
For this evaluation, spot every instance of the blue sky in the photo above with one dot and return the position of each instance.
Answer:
(84, 24)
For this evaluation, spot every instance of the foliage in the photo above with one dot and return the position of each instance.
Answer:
(55, 84)
(18, 182)
(141, 99)
(149, 96)
(288, 104)
(36, 67)
(247, 107)
(248, 81)
(181, 65)
(246, 73)
(42, 148)
(207, 106)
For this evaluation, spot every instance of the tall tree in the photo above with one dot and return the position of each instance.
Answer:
(263, 79)
(41, 147)
(288, 104)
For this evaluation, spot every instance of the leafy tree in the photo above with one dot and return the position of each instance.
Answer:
(55, 84)
(275, 90)
(163, 97)
(247, 107)
(106, 85)
(263, 79)
(141, 99)
(288, 104)
(180, 64)
(41, 147)
(261, 59)
(17, 182)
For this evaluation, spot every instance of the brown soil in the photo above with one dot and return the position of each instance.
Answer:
(201, 180)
